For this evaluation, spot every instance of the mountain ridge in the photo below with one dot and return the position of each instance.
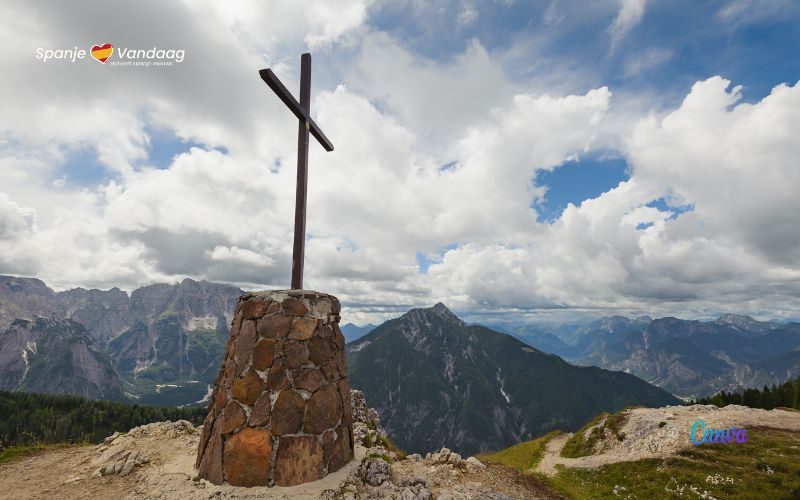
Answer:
(437, 381)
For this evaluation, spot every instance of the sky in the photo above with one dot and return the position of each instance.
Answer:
(516, 160)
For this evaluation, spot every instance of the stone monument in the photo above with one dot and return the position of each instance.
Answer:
(280, 411)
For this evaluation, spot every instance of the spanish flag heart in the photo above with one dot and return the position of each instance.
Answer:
(102, 52)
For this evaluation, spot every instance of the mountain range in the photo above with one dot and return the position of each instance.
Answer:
(437, 381)
(161, 344)
(353, 332)
(688, 358)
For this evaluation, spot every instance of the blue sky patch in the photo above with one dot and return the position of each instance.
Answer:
(676, 210)
(424, 262)
(576, 181)
(165, 145)
(81, 169)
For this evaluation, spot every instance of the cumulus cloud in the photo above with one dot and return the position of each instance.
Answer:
(735, 249)
(432, 158)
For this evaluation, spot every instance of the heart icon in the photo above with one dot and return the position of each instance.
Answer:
(102, 52)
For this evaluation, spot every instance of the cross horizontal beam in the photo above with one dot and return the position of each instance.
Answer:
(302, 114)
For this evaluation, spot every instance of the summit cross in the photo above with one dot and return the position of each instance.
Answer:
(302, 110)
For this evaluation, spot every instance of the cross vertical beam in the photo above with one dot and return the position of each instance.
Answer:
(299, 248)
(302, 110)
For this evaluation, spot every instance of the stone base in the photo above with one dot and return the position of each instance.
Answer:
(280, 411)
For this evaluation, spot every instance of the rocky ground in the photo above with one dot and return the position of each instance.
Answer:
(661, 432)
(157, 461)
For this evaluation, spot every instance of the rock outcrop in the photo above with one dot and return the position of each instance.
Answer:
(280, 412)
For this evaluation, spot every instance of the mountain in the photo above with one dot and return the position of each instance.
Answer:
(694, 358)
(25, 298)
(437, 381)
(542, 339)
(353, 332)
(55, 356)
(164, 342)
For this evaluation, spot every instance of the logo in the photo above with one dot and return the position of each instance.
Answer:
(713, 436)
(102, 52)
(110, 55)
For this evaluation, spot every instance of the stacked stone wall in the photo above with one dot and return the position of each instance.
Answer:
(280, 411)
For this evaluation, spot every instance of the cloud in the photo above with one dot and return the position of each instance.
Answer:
(735, 162)
(646, 61)
(629, 15)
(734, 250)
(467, 14)
(743, 12)
(436, 157)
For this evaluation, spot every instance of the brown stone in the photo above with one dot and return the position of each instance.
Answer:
(244, 345)
(220, 398)
(338, 338)
(342, 452)
(323, 411)
(298, 460)
(326, 331)
(254, 308)
(230, 372)
(330, 371)
(295, 354)
(210, 467)
(233, 417)
(247, 389)
(309, 379)
(321, 307)
(287, 416)
(303, 328)
(276, 379)
(261, 410)
(246, 459)
(264, 353)
(294, 307)
(336, 307)
(235, 325)
(320, 350)
(274, 326)
(208, 424)
(347, 405)
(340, 365)
(327, 446)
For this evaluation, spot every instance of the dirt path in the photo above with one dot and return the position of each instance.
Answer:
(661, 432)
(57, 474)
(168, 473)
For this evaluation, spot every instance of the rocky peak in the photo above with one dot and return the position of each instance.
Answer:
(443, 312)
(736, 319)
(745, 324)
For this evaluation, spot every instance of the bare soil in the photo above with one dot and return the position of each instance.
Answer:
(67, 473)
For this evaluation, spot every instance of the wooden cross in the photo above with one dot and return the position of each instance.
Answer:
(302, 111)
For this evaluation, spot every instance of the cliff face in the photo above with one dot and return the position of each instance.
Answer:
(24, 298)
(157, 337)
(55, 356)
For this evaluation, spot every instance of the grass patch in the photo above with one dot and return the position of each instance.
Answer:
(391, 446)
(583, 443)
(522, 456)
(17, 452)
(764, 467)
